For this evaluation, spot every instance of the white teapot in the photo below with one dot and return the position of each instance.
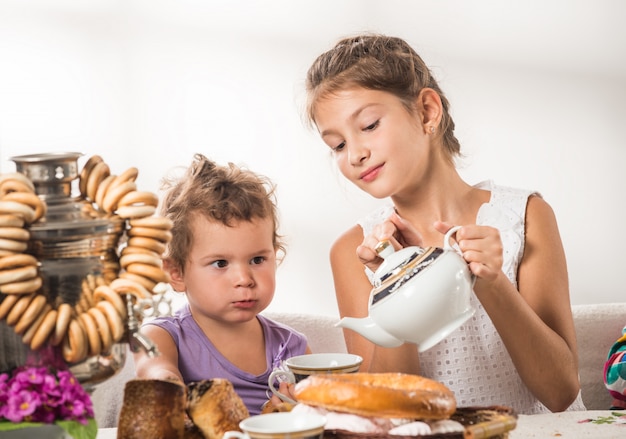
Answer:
(420, 296)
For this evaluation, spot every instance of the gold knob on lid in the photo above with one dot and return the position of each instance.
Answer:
(384, 248)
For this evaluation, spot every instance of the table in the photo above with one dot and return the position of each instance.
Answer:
(107, 433)
(595, 424)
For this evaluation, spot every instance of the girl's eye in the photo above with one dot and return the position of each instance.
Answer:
(339, 147)
(258, 260)
(372, 126)
(220, 264)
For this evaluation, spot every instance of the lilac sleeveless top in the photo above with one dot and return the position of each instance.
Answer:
(198, 359)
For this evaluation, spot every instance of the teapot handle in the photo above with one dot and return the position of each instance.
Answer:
(448, 235)
(447, 246)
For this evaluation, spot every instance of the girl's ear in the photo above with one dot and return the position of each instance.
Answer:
(430, 109)
(177, 280)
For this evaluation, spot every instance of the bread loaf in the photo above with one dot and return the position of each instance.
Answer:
(152, 409)
(385, 395)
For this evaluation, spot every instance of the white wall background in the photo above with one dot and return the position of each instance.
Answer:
(537, 90)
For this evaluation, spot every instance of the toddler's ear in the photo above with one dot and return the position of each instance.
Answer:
(177, 280)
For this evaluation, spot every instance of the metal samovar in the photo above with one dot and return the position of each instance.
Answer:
(77, 245)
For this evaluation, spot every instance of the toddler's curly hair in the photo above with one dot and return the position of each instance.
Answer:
(226, 194)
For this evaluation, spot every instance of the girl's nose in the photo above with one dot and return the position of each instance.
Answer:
(357, 153)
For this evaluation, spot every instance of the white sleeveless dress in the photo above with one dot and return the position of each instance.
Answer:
(473, 361)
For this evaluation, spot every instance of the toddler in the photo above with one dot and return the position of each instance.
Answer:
(223, 256)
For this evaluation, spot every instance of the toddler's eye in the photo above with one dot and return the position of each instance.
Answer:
(220, 264)
(258, 260)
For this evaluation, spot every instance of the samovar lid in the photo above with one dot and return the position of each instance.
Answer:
(52, 173)
(67, 217)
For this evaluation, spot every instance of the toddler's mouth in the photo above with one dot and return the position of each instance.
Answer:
(248, 303)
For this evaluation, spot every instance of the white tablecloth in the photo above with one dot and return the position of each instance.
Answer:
(596, 424)
(107, 433)
(593, 424)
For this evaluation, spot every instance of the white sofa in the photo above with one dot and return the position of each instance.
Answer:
(597, 327)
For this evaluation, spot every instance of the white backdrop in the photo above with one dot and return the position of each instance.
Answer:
(535, 96)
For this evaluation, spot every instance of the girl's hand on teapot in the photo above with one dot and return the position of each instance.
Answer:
(480, 246)
(399, 232)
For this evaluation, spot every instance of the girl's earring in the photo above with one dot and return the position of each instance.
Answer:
(432, 130)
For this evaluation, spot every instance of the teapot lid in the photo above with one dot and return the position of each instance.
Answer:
(400, 267)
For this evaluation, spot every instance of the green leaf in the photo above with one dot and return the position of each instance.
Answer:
(8, 426)
(74, 428)
(78, 430)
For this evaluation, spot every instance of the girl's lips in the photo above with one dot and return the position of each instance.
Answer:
(370, 174)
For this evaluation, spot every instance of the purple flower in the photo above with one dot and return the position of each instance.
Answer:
(40, 394)
(4, 390)
(21, 405)
(32, 376)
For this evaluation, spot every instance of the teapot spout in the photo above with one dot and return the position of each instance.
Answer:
(368, 328)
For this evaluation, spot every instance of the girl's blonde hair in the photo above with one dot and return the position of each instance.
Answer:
(377, 62)
(225, 194)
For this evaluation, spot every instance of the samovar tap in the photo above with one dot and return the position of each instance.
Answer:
(138, 310)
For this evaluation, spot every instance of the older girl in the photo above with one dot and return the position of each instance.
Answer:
(388, 125)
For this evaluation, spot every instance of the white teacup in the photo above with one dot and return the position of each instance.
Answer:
(302, 366)
(283, 425)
